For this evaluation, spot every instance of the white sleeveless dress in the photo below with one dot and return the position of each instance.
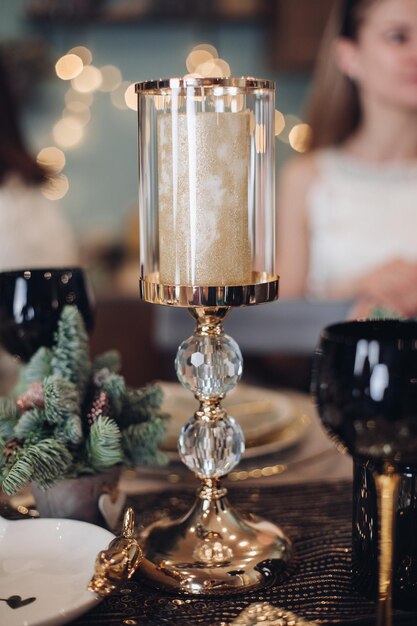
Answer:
(360, 216)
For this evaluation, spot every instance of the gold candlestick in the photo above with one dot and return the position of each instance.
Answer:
(207, 221)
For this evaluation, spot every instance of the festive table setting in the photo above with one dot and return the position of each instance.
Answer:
(207, 501)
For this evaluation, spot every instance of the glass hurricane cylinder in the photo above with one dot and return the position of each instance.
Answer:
(206, 191)
(207, 242)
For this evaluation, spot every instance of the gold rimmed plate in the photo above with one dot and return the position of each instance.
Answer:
(270, 420)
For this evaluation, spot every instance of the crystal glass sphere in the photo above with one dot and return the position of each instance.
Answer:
(209, 365)
(211, 448)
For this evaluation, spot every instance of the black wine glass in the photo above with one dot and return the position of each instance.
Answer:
(31, 301)
(365, 385)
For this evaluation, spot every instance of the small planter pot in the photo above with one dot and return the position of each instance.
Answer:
(95, 499)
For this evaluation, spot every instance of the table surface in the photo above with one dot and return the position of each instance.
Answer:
(309, 496)
(317, 584)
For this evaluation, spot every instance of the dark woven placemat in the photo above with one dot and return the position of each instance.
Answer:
(317, 517)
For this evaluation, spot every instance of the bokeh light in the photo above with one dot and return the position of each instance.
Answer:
(52, 158)
(208, 47)
(131, 97)
(111, 78)
(80, 113)
(279, 122)
(299, 137)
(196, 58)
(82, 52)
(290, 122)
(118, 95)
(56, 187)
(67, 132)
(75, 96)
(89, 80)
(69, 67)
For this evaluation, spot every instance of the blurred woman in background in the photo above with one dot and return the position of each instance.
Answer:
(347, 209)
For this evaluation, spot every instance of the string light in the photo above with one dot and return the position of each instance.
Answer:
(89, 80)
(67, 132)
(75, 96)
(202, 61)
(52, 158)
(196, 58)
(82, 52)
(299, 137)
(279, 122)
(69, 67)
(56, 187)
(290, 122)
(82, 115)
(118, 95)
(131, 98)
(208, 47)
(111, 78)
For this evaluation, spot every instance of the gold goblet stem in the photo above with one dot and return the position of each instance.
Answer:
(387, 485)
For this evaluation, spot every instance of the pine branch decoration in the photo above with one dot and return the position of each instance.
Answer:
(104, 444)
(70, 354)
(70, 417)
(39, 367)
(9, 415)
(62, 399)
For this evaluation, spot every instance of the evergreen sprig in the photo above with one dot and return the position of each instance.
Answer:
(74, 417)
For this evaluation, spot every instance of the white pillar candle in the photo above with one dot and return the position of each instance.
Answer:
(203, 166)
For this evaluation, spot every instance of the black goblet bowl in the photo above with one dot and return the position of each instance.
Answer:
(31, 302)
(365, 385)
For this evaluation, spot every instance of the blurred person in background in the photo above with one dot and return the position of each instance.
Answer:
(33, 231)
(347, 208)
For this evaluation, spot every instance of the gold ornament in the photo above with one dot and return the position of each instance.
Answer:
(119, 562)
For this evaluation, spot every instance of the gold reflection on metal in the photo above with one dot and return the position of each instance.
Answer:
(268, 615)
(68, 67)
(212, 550)
(264, 288)
(299, 137)
(119, 562)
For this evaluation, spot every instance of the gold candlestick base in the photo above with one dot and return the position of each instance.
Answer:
(212, 550)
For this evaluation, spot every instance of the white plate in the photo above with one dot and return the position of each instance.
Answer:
(51, 560)
(269, 419)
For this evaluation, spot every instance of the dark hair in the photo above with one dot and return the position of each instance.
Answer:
(349, 18)
(14, 156)
(333, 108)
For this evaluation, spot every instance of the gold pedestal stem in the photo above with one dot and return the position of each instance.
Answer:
(387, 492)
(212, 550)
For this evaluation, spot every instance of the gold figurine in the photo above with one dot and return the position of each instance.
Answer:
(119, 562)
